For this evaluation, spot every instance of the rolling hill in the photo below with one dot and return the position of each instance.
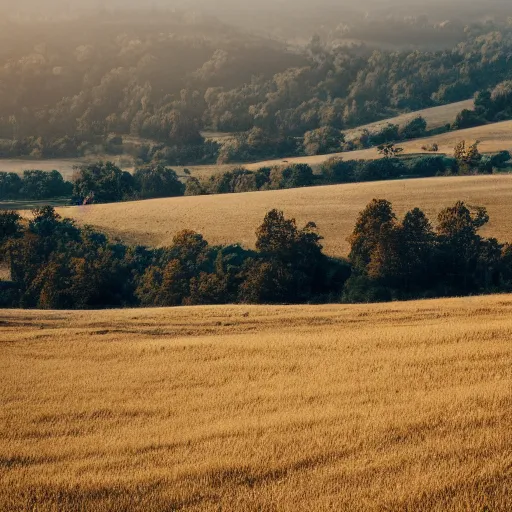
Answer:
(233, 218)
(398, 407)
(493, 137)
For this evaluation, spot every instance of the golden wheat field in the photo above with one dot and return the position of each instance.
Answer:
(398, 407)
(233, 218)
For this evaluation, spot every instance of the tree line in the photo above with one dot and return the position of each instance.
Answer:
(93, 183)
(35, 184)
(104, 182)
(55, 264)
(491, 106)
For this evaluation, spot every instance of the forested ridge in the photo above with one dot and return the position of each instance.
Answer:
(152, 83)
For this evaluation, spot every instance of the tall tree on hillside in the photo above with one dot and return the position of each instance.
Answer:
(460, 243)
(365, 236)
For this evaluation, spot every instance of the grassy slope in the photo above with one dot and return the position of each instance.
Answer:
(435, 116)
(493, 137)
(233, 218)
(402, 407)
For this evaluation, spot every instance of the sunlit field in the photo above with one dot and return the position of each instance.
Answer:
(233, 218)
(493, 138)
(398, 407)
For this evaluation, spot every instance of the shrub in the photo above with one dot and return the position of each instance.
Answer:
(414, 129)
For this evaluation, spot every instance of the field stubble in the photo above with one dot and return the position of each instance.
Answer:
(402, 407)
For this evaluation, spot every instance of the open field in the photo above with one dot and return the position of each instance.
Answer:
(233, 218)
(398, 407)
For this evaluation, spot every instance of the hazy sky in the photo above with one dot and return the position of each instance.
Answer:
(433, 8)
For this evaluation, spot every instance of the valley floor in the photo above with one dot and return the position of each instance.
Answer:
(403, 406)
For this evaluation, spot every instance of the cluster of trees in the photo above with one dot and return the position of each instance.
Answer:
(242, 180)
(104, 182)
(74, 85)
(94, 183)
(61, 147)
(55, 264)
(35, 184)
(80, 84)
(467, 160)
(400, 259)
(257, 144)
(491, 106)
(342, 88)
(107, 183)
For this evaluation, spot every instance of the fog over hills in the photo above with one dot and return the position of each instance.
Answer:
(433, 8)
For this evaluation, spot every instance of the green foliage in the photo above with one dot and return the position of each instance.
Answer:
(36, 185)
(429, 166)
(467, 119)
(323, 140)
(365, 236)
(468, 157)
(114, 79)
(57, 265)
(386, 135)
(10, 185)
(404, 259)
(102, 183)
(193, 187)
(157, 181)
(414, 129)
(337, 170)
(383, 169)
(10, 225)
(44, 185)
(257, 144)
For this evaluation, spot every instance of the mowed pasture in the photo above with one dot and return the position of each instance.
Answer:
(234, 218)
(397, 407)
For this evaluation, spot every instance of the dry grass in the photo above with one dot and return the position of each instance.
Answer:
(493, 137)
(5, 273)
(400, 407)
(435, 116)
(233, 218)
